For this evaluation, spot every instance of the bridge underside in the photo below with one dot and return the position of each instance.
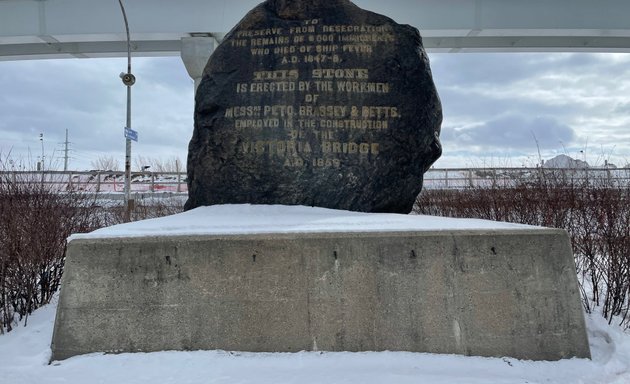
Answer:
(37, 29)
(172, 46)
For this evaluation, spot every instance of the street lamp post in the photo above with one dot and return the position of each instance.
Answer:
(128, 80)
(41, 140)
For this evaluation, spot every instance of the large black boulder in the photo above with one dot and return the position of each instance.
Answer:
(316, 103)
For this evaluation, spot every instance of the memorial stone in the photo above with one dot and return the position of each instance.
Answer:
(317, 103)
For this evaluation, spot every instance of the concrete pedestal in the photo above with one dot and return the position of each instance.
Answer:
(472, 292)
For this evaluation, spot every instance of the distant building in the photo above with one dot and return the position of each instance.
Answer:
(564, 161)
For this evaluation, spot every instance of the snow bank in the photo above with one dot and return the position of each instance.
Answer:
(24, 355)
(248, 219)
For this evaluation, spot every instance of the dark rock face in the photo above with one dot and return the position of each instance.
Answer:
(316, 103)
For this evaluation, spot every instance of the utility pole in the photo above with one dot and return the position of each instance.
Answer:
(128, 80)
(41, 139)
(65, 151)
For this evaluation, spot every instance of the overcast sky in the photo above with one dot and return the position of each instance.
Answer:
(499, 109)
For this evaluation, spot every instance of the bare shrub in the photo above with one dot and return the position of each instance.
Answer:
(113, 213)
(595, 213)
(157, 207)
(37, 217)
(35, 224)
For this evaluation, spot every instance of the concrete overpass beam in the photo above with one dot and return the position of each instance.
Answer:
(195, 53)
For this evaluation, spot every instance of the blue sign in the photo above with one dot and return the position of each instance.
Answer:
(131, 134)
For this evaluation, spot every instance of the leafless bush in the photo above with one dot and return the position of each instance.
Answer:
(595, 213)
(36, 220)
(157, 207)
(147, 208)
(35, 224)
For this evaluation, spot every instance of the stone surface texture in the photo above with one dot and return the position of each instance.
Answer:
(486, 293)
(315, 103)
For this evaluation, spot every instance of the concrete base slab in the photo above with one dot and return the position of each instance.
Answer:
(471, 292)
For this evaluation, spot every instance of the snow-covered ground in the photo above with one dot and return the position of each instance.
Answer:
(24, 352)
(24, 355)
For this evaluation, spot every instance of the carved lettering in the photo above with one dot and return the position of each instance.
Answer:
(285, 74)
(356, 28)
(362, 87)
(307, 120)
(259, 32)
(340, 73)
(243, 111)
(263, 41)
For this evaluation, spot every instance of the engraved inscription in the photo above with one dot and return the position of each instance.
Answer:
(310, 109)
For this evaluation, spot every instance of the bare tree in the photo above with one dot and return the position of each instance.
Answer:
(106, 163)
(170, 165)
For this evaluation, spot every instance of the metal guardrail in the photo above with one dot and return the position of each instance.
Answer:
(458, 178)
(112, 182)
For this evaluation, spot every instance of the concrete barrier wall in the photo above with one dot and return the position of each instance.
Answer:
(486, 293)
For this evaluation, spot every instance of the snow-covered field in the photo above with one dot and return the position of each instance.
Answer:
(24, 355)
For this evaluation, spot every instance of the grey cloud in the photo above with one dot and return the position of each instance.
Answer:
(601, 64)
(622, 108)
(469, 69)
(513, 131)
(88, 98)
(458, 102)
(590, 84)
(169, 72)
(50, 96)
(474, 68)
